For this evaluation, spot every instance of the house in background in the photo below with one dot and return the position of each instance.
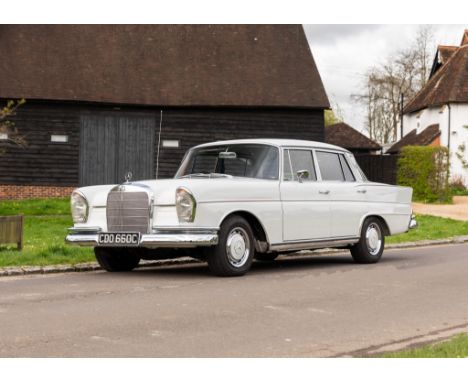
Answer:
(438, 114)
(99, 97)
(430, 136)
(343, 135)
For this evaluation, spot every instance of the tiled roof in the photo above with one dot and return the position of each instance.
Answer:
(424, 138)
(343, 135)
(162, 65)
(449, 80)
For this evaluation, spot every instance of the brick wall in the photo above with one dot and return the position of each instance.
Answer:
(14, 192)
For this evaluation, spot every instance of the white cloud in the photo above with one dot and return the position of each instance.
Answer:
(344, 53)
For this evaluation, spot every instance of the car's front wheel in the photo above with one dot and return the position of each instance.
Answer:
(233, 254)
(116, 259)
(370, 247)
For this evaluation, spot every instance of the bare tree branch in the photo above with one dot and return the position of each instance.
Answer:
(403, 73)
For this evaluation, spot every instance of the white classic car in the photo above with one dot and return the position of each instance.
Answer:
(233, 201)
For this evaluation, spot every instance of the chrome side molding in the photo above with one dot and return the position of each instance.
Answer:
(312, 244)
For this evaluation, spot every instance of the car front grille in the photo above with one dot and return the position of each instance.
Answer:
(128, 211)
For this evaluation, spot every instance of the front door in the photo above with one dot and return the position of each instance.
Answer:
(113, 144)
(306, 207)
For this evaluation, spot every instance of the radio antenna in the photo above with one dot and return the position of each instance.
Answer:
(159, 144)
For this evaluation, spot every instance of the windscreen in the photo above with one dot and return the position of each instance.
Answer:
(240, 160)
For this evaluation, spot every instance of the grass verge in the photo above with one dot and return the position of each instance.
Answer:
(47, 220)
(35, 207)
(457, 347)
(44, 244)
(431, 228)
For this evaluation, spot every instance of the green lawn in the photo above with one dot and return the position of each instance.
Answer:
(456, 347)
(35, 207)
(431, 227)
(45, 227)
(46, 223)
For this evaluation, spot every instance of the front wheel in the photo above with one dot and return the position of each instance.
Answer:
(116, 259)
(233, 254)
(370, 247)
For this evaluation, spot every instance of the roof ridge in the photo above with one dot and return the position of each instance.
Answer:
(437, 77)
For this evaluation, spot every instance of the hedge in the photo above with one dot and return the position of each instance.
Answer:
(426, 169)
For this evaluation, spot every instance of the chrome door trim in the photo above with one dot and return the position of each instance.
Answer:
(313, 244)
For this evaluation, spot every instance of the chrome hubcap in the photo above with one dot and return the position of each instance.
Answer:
(373, 239)
(238, 247)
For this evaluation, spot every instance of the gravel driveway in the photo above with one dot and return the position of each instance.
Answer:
(458, 210)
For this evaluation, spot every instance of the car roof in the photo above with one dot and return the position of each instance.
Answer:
(276, 142)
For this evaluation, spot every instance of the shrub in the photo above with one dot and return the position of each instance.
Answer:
(457, 186)
(426, 169)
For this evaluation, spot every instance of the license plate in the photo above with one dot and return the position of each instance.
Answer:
(119, 238)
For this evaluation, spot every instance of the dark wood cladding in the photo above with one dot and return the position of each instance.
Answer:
(193, 127)
(43, 162)
(57, 164)
(379, 168)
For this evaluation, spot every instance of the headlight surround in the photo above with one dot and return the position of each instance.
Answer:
(186, 205)
(79, 207)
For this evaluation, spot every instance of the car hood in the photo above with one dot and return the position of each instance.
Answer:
(203, 189)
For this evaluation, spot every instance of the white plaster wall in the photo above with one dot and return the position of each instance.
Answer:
(459, 134)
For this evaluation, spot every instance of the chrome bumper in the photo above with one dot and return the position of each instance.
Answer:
(184, 239)
(413, 223)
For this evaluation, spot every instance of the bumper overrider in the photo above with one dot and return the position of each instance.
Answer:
(191, 238)
(413, 223)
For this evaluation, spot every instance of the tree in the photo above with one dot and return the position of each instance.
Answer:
(401, 75)
(333, 115)
(7, 127)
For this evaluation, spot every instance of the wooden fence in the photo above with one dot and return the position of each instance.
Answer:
(379, 168)
(11, 230)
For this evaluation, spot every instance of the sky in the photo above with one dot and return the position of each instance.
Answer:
(344, 53)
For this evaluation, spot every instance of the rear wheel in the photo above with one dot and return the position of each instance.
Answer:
(370, 247)
(233, 254)
(116, 259)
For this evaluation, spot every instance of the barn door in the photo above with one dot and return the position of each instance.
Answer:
(112, 145)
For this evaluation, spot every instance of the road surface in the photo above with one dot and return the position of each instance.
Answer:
(301, 307)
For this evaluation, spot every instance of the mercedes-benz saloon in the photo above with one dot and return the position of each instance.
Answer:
(232, 202)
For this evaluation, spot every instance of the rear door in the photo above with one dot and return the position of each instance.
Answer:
(306, 207)
(347, 197)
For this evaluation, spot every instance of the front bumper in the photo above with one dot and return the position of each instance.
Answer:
(170, 239)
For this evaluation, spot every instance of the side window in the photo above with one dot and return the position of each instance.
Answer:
(296, 160)
(349, 177)
(330, 166)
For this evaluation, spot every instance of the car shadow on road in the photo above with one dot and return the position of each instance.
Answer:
(328, 264)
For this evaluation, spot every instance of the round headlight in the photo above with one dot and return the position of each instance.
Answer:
(79, 207)
(185, 205)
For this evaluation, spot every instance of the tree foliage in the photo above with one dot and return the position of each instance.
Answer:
(403, 73)
(333, 115)
(7, 126)
(426, 170)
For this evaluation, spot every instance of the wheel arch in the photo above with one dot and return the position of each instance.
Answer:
(381, 219)
(260, 234)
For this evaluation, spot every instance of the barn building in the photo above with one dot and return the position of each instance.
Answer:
(343, 135)
(102, 100)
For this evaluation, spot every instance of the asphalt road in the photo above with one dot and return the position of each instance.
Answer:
(309, 306)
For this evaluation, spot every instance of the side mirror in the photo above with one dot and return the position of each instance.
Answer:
(302, 174)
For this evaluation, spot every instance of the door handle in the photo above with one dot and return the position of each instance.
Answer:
(362, 191)
(324, 192)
